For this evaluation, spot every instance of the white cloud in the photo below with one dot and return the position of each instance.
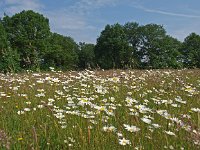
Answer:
(74, 20)
(182, 32)
(15, 6)
(86, 6)
(71, 24)
(69, 20)
(63, 19)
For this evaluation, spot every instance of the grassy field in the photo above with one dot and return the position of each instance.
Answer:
(102, 110)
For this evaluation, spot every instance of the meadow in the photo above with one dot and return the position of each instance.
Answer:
(102, 110)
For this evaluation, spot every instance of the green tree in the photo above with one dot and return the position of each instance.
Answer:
(169, 55)
(112, 49)
(62, 53)
(132, 31)
(158, 50)
(28, 32)
(9, 60)
(191, 51)
(86, 56)
(149, 48)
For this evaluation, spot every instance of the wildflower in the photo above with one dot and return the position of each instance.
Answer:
(156, 125)
(51, 100)
(170, 133)
(171, 147)
(143, 109)
(15, 88)
(105, 128)
(65, 141)
(146, 120)
(100, 89)
(20, 139)
(59, 115)
(124, 142)
(83, 101)
(189, 89)
(28, 103)
(109, 129)
(179, 99)
(48, 78)
(64, 126)
(40, 106)
(20, 112)
(40, 81)
(129, 93)
(119, 134)
(129, 101)
(40, 95)
(55, 80)
(27, 109)
(59, 92)
(174, 119)
(131, 128)
(71, 139)
(175, 105)
(195, 109)
(164, 113)
(112, 99)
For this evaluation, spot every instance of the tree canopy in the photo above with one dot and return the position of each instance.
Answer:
(9, 59)
(61, 53)
(191, 51)
(112, 49)
(28, 33)
(26, 42)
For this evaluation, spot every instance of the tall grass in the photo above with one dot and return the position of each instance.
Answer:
(155, 109)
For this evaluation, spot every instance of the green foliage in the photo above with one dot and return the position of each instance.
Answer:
(169, 56)
(149, 49)
(61, 53)
(132, 30)
(191, 51)
(86, 56)
(112, 49)
(28, 32)
(138, 46)
(9, 60)
(26, 42)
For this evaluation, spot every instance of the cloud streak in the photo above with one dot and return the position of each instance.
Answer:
(167, 12)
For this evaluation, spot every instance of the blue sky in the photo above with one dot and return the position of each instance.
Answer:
(83, 20)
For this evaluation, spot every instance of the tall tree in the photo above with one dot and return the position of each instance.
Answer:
(149, 48)
(132, 31)
(9, 60)
(169, 55)
(28, 32)
(62, 53)
(112, 49)
(86, 56)
(191, 51)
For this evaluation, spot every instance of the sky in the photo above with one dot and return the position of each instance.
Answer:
(84, 20)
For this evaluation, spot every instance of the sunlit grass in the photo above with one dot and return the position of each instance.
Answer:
(156, 109)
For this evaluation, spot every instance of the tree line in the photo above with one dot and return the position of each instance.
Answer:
(27, 43)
